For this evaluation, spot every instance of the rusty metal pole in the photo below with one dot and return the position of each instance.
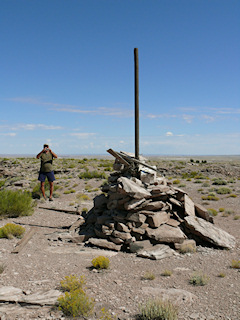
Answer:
(136, 103)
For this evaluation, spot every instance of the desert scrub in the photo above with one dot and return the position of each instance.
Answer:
(156, 309)
(188, 248)
(69, 191)
(106, 315)
(210, 197)
(76, 303)
(72, 282)
(223, 190)
(235, 264)
(199, 279)
(101, 262)
(2, 183)
(176, 181)
(237, 217)
(232, 195)
(166, 273)
(219, 182)
(11, 230)
(148, 276)
(82, 197)
(2, 267)
(92, 174)
(222, 275)
(15, 203)
(212, 212)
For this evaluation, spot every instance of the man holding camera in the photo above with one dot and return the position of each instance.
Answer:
(46, 169)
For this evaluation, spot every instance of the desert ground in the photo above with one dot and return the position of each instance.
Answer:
(48, 258)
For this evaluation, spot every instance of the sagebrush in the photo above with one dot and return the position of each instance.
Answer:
(15, 203)
(157, 309)
(11, 230)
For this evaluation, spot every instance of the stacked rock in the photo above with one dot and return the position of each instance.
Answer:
(147, 210)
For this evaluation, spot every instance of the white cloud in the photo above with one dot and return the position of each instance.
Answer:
(83, 134)
(169, 134)
(10, 134)
(188, 118)
(117, 112)
(31, 126)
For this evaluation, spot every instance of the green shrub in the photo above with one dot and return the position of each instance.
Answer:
(187, 248)
(237, 217)
(235, 264)
(106, 315)
(199, 279)
(148, 276)
(100, 262)
(156, 309)
(2, 183)
(221, 209)
(69, 191)
(232, 195)
(212, 212)
(72, 282)
(210, 197)
(166, 273)
(219, 181)
(205, 185)
(76, 303)
(82, 197)
(176, 181)
(11, 230)
(224, 190)
(92, 174)
(222, 275)
(15, 203)
(2, 268)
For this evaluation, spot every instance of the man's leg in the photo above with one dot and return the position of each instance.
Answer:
(43, 190)
(51, 189)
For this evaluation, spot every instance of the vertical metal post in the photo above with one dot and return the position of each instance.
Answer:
(136, 103)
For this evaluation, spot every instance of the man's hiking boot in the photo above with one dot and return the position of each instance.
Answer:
(50, 199)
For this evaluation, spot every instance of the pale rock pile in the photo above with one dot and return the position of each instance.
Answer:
(148, 216)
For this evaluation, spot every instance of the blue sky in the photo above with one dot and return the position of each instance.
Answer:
(67, 76)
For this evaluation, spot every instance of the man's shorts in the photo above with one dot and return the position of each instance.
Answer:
(43, 175)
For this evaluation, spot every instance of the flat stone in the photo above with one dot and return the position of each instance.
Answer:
(121, 235)
(131, 188)
(136, 217)
(173, 223)
(209, 233)
(203, 213)
(122, 227)
(166, 233)
(189, 206)
(130, 205)
(136, 246)
(157, 252)
(10, 294)
(154, 205)
(177, 296)
(158, 218)
(42, 298)
(103, 243)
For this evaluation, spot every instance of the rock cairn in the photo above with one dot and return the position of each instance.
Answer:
(147, 215)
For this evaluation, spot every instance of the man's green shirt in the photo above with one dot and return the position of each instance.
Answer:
(46, 162)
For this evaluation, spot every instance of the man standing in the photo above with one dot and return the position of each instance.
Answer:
(46, 169)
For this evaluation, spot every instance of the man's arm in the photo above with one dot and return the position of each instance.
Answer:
(38, 155)
(54, 154)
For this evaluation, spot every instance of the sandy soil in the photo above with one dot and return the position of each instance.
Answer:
(43, 263)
